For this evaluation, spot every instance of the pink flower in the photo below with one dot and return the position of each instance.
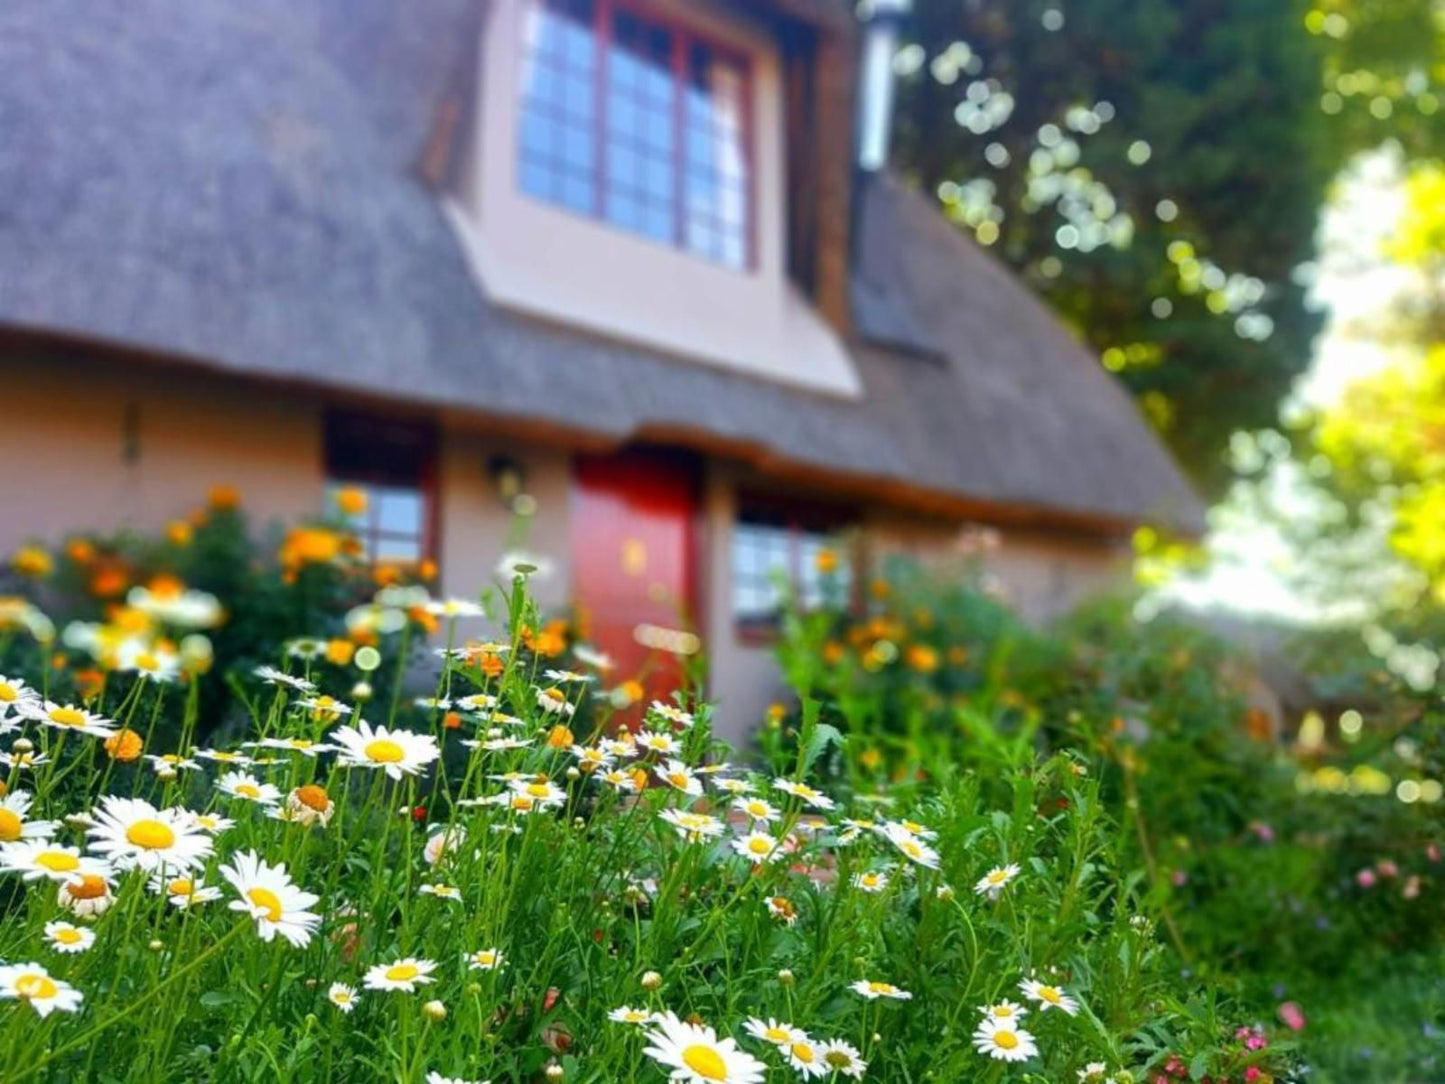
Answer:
(1387, 868)
(1262, 831)
(1291, 1016)
(1365, 878)
(1251, 1074)
(1180, 878)
(1432, 852)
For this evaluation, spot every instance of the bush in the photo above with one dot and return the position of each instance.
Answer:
(489, 885)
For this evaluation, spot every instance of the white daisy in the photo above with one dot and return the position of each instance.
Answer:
(488, 959)
(396, 752)
(271, 676)
(64, 937)
(676, 716)
(756, 809)
(590, 656)
(543, 791)
(13, 826)
(34, 859)
(434, 1077)
(679, 776)
(325, 708)
(1004, 1011)
(307, 804)
(912, 846)
(405, 975)
(268, 895)
(626, 1014)
(129, 832)
(758, 847)
(171, 762)
(183, 891)
(621, 748)
(151, 662)
(1048, 997)
(695, 1055)
(693, 827)
(655, 741)
(773, 1031)
(734, 786)
(806, 1057)
(810, 797)
(616, 777)
(342, 996)
(16, 697)
(442, 892)
(843, 1057)
(34, 985)
(874, 990)
(1004, 1040)
(553, 701)
(68, 717)
(304, 746)
(996, 880)
(86, 895)
(566, 677)
(223, 756)
(29, 761)
(213, 823)
(871, 881)
(248, 787)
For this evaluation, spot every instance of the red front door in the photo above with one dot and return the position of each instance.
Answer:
(634, 561)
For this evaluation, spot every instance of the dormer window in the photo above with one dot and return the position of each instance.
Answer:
(639, 122)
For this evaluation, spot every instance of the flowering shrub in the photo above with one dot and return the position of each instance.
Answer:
(1297, 872)
(477, 884)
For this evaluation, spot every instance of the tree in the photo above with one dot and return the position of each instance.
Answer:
(1154, 168)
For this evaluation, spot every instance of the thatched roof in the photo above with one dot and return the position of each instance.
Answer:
(235, 186)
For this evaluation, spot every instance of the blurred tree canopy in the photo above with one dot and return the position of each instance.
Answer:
(1155, 168)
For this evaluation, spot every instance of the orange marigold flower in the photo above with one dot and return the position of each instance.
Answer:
(309, 545)
(80, 550)
(922, 658)
(178, 532)
(352, 501)
(427, 570)
(124, 745)
(385, 575)
(88, 683)
(560, 737)
(339, 652)
(452, 721)
(827, 561)
(223, 497)
(32, 561)
(490, 663)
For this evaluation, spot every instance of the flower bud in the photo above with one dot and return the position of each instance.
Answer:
(555, 1072)
(651, 981)
(23, 745)
(434, 1011)
(785, 976)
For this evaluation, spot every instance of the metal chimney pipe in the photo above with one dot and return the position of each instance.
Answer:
(881, 19)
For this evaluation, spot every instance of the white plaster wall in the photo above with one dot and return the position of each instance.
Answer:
(563, 266)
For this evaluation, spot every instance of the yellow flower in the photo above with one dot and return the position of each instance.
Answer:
(351, 500)
(340, 651)
(178, 532)
(223, 498)
(124, 745)
(32, 561)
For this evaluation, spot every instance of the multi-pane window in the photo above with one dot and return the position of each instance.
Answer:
(777, 550)
(638, 122)
(393, 463)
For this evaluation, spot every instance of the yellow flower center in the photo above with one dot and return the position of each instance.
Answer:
(146, 661)
(998, 877)
(759, 846)
(67, 716)
(181, 886)
(90, 886)
(486, 959)
(10, 825)
(341, 997)
(802, 1052)
(384, 751)
(678, 780)
(522, 803)
(152, 835)
(402, 972)
(35, 985)
(880, 987)
(313, 797)
(705, 1062)
(538, 790)
(248, 790)
(838, 1059)
(1049, 994)
(57, 862)
(1003, 1012)
(8, 693)
(68, 935)
(557, 696)
(1005, 1040)
(777, 1035)
(267, 901)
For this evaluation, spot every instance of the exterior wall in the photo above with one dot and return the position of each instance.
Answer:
(476, 528)
(1041, 574)
(566, 267)
(90, 444)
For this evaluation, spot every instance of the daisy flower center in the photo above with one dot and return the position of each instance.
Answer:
(402, 972)
(67, 716)
(181, 886)
(146, 661)
(8, 692)
(997, 877)
(90, 886)
(57, 862)
(538, 790)
(248, 790)
(705, 1062)
(1005, 1039)
(1003, 1012)
(35, 985)
(151, 834)
(803, 1052)
(1049, 993)
(10, 825)
(759, 846)
(384, 751)
(880, 987)
(557, 696)
(68, 935)
(268, 901)
(777, 1035)
(677, 779)
(837, 1059)
(313, 797)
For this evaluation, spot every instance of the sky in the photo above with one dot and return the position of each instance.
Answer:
(1350, 281)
